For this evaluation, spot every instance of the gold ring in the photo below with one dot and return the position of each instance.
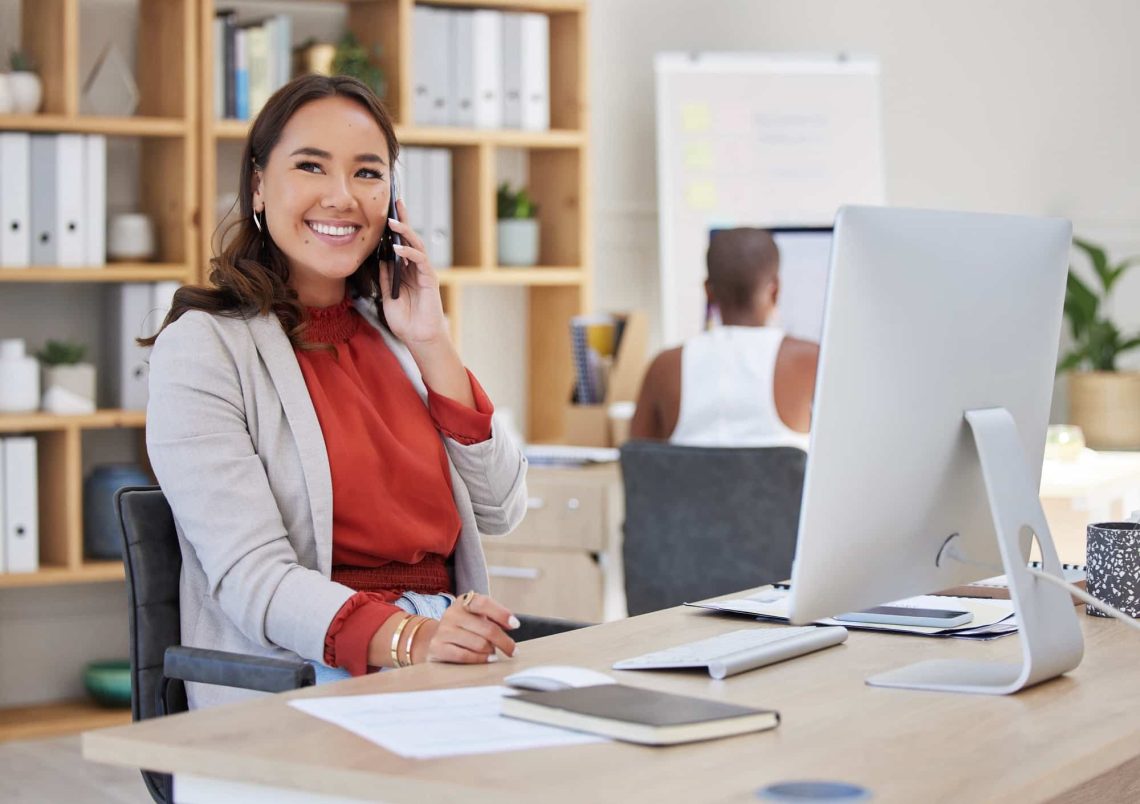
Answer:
(466, 598)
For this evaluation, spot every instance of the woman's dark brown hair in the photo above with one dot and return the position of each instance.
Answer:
(251, 275)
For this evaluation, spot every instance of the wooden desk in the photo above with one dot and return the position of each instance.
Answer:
(1076, 738)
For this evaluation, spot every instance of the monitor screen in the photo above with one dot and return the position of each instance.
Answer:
(804, 258)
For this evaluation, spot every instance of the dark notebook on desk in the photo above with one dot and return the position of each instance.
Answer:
(638, 715)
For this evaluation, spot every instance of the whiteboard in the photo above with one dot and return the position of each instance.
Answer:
(754, 139)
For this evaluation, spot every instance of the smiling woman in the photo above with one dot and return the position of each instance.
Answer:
(329, 461)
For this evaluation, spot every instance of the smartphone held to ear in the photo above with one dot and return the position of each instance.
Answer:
(389, 240)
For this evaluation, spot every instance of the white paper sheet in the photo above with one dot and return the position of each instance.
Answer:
(438, 723)
(988, 614)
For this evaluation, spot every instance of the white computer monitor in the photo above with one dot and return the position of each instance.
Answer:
(805, 253)
(936, 323)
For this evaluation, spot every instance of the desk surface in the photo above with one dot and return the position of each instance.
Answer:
(1078, 735)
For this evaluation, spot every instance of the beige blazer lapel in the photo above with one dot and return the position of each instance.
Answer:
(281, 362)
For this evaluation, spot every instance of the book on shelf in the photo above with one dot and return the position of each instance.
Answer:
(638, 715)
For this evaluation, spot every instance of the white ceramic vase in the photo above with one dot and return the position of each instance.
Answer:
(131, 238)
(19, 378)
(5, 95)
(518, 241)
(27, 92)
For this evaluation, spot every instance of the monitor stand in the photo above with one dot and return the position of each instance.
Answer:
(1051, 639)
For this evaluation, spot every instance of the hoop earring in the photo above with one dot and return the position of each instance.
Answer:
(257, 223)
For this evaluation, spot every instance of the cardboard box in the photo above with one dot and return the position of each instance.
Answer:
(589, 425)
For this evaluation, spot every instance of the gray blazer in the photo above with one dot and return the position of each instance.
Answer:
(236, 446)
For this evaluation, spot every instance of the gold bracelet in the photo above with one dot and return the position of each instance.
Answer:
(396, 639)
(411, 638)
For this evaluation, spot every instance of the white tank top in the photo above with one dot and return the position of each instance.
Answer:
(727, 391)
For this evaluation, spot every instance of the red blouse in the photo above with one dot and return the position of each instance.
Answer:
(394, 518)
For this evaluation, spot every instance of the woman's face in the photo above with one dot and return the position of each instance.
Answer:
(325, 190)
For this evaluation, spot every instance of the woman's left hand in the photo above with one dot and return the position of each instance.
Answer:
(416, 318)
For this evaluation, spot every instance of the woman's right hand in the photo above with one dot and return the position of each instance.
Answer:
(466, 634)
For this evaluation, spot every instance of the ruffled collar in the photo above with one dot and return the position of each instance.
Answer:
(335, 324)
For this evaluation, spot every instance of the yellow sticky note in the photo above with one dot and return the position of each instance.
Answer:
(695, 116)
(698, 156)
(701, 195)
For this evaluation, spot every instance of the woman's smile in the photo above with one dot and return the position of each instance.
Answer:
(335, 233)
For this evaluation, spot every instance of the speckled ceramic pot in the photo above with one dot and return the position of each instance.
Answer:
(1113, 557)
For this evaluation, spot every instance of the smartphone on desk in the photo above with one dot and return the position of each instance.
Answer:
(389, 240)
(901, 615)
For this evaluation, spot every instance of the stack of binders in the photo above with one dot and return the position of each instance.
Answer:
(134, 310)
(61, 218)
(19, 505)
(425, 184)
(481, 69)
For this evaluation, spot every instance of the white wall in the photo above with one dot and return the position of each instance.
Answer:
(1020, 106)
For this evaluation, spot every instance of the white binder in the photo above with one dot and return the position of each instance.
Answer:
(462, 76)
(15, 199)
(487, 68)
(512, 69)
(413, 188)
(535, 89)
(439, 206)
(3, 513)
(128, 314)
(423, 22)
(59, 234)
(162, 298)
(441, 58)
(21, 505)
(95, 178)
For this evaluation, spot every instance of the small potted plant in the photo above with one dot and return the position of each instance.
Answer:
(518, 227)
(68, 383)
(353, 59)
(24, 87)
(1103, 400)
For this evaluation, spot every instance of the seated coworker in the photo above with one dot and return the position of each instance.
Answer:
(744, 383)
(329, 461)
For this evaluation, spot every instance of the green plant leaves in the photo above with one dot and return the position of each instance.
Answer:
(1080, 305)
(514, 205)
(1096, 341)
(353, 59)
(61, 353)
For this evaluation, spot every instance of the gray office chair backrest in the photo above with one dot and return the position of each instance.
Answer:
(702, 521)
(160, 664)
(153, 562)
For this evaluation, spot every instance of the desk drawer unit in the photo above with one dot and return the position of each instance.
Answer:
(550, 583)
(562, 515)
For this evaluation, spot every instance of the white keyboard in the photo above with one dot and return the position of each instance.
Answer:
(738, 651)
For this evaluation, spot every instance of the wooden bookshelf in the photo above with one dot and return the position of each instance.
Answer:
(179, 142)
(558, 167)
(85, 124)
(51, 720)
(48, 575)
(117, 272)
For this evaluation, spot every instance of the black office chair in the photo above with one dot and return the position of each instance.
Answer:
(702, 521)
(160, 664)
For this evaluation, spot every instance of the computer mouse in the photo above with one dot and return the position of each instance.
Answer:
(548, 677)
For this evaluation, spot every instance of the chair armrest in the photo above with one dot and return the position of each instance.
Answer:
(533, 627)
(237, 669)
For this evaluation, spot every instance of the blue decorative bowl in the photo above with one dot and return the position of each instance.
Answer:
(109, 682)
